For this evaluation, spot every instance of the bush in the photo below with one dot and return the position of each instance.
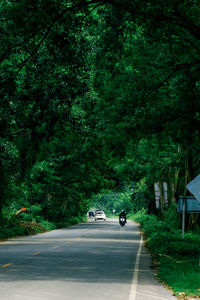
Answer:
(13, 231)
(71, 221)
(164, 237)
(171, 219)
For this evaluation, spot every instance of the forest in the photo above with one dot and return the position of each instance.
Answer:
(99, 99)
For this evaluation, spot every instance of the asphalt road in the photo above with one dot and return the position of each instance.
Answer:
(92, 261)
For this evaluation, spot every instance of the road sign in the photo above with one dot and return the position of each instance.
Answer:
(194, 187)
(187, 204)
(191, 204)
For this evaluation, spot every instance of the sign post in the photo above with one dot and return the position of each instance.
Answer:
(187, 204)
(183, 219)
(194, 188)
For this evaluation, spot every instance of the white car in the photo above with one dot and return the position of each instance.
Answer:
(100, 215)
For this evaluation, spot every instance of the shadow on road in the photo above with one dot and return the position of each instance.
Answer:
(92, 252)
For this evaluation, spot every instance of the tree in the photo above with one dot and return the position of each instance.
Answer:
(97, 93)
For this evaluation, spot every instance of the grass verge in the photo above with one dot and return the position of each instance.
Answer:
(23, 228)
(177, 260)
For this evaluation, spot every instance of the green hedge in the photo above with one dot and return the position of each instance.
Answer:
(178, 259)
(37, 225)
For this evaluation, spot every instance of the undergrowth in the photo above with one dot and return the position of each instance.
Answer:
(25, 225)
(177, 258)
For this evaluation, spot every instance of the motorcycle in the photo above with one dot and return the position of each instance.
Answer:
(122, 221)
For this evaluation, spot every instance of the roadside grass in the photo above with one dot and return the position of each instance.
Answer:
(184, 278)
(176, 260)
(23, 226)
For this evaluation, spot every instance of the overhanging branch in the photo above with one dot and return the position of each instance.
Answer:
(48, 30)
(13, 133)
(72, 182)
(176, 69)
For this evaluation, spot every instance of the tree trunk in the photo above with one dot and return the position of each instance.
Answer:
(2, 189)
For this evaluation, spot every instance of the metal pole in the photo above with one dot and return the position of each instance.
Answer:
(183, 219)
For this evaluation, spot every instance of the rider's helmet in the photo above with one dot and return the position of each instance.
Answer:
(122, 210)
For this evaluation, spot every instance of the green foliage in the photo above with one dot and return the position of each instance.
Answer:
(164, 237)
(183, 277)
(93, 95)
(178, 258)
(71, 221)
(171, 217)
(113, 201)
(12, 232)
(140, 196)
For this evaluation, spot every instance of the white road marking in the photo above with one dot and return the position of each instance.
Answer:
(132, 295)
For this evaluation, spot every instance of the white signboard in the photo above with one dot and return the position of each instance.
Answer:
(194, 187)
(157, 195)
(165, 192)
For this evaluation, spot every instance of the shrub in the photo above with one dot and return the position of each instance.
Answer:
(164, 237)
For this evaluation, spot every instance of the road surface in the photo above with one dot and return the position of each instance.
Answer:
(91, 261)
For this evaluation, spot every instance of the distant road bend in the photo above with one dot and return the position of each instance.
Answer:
(91, 261)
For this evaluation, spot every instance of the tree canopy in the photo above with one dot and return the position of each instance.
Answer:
(96, 95)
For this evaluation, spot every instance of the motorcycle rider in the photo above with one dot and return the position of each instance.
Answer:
(122, 215)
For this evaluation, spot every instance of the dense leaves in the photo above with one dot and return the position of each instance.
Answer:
(95, 95)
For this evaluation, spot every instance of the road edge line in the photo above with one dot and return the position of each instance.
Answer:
(132, 295)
